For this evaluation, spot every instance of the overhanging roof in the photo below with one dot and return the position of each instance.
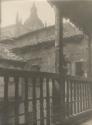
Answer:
(78, 11)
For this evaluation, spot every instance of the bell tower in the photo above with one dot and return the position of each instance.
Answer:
(18, 25)
(33, 22)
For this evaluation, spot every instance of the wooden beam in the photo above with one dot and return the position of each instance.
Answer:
(89, 56)
(59, 88)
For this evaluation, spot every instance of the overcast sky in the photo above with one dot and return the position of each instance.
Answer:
(11, 8)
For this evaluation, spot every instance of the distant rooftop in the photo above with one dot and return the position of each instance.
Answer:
(31, 24)
(7, 54)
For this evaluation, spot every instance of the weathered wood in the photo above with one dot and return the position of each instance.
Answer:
(41, 103)
(5, 113)
(78, 99)
(89, 57)
(67, 101)
(26, 101)
(81, 96)
(34, 101)
(48, 102)
(16, 100)
(71, 98)
(59, 64)
(25, 73)
(78, 110)
(75, 83)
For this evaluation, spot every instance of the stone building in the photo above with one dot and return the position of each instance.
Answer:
(9, 60)
(19, 28)
(37, 46)
(33, 22)
(38, 49)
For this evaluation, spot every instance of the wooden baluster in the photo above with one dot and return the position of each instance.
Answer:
(80, 96)
(5, 115)
(48, 102)
(53, 99)
(67, 101)
(74, 97)
(88, 83)
(71, 111)
(41, 103)
(26, 102)
(91, 92)
(86, 95)
(34, 101)
(83, 96)
(16, 101)
(69, 97)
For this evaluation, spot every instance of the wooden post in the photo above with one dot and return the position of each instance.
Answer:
(0, 18)
(89, 56)
(59, 42)
(59, 88)
(5, 111)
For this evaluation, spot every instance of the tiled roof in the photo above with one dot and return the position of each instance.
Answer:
(41, 36)
(7, 54)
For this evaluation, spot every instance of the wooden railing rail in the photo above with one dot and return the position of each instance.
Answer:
(25, 73)
(32, 97)
(27, 97)
(78, 97)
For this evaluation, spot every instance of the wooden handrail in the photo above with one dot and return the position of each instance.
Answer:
(26, 73)
(77, 97)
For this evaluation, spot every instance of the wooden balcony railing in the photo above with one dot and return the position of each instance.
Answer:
(27, 97)
(78, 97)
(31, 97)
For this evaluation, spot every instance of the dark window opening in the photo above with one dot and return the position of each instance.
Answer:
(35, 68)
(79, 69)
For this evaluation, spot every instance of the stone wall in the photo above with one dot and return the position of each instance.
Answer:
(27, 46)
(43, 57)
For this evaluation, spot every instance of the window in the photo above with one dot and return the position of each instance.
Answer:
(79, 69)
(35, 68)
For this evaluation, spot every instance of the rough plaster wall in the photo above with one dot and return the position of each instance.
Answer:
(76, 51)
(35, 38)
(44, 57)
(73, 50)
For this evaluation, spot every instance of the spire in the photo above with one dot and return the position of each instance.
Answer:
(33, 22)
(17, 18)
(33, 9)
(45, 24)
(18, 25)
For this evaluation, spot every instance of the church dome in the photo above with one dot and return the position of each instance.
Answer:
(33, 22)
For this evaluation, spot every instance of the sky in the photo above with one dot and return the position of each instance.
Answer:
(23, 7)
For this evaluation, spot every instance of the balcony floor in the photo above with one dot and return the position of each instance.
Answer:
(89, 122)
